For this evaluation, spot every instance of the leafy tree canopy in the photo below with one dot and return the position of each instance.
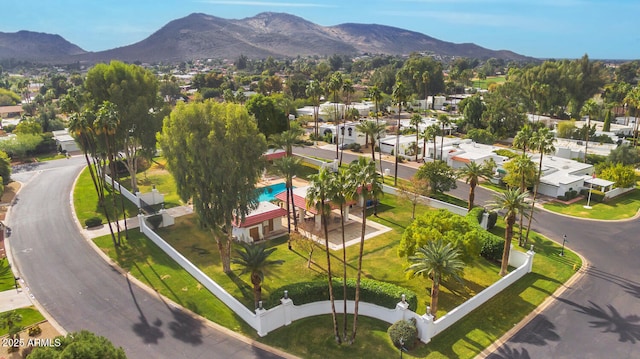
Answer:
(79, 345)
(462, 232)
(440, 176)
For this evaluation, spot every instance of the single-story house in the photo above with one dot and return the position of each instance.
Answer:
(262, 223)
(560, 175)
(274, 154)
(11, 111)
(65, 142)
(468, 151)
(348, 133)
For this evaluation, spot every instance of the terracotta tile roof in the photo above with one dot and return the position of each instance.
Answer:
(264, 212)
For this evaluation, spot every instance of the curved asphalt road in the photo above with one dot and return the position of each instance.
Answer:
(81, 291)
(596, 317)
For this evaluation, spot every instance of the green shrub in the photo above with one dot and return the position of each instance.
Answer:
(505, 152)
(492, 247)
(493, 219)
(155, 221)
(371, 291)
(33, 331)
(355, 147)
(93, 222)
(477, 213)
(597, 196)
(404, 333)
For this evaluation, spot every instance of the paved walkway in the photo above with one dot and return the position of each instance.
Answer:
(13, 299)
(132, 222)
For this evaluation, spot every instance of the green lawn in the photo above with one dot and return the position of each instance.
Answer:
(156, 175)
(312, 337)
(6, 276)
(484, 84)
(623, 207)
(85, 200)
(49, 157)
(30, 316)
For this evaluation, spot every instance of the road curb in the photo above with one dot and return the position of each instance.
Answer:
(15, 267)
(580, 273)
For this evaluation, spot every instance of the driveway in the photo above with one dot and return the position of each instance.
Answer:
(81, 291)
(596, 317)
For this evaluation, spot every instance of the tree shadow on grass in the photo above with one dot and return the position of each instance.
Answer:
(245, 288)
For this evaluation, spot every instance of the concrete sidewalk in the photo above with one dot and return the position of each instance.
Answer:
(13, 299)
(131, 223)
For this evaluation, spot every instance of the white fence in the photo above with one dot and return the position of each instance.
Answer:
(153, 197)
(333, 165)
(265, 321)
(431, 202)
(617, 191)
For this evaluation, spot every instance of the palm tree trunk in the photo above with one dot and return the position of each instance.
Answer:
(533, 203)
(257, 289)
(288, 212)
(472, 194)
(424, 148)
(293, 209)
(344, 276)
(435, 293)
(325, 226)
(359, 275)
(508, 235)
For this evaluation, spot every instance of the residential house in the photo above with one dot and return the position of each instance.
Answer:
(262, 223)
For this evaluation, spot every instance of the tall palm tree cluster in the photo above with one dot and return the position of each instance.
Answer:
(95, 132)
(359, 181)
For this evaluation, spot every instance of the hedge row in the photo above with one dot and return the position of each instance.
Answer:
(371, 291)
(492, 246)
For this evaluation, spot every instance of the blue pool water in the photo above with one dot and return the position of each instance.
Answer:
(269, 193)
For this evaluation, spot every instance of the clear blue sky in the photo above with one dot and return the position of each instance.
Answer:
(604, 29)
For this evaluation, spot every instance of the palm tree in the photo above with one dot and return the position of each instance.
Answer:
(542, 142)
(318, 197)
(10, 320)
(430, 133)
(254, 259)
(444, 121)
(339, 194)
(106, 124)
(400, 98)
(436, 261)
(371, 130)
(314, 92)
(522, 139)
(512, 202)
(633, 99)
(425, 81)
(365, 182)
(347, 91)
(589, 109)
(472, 172)
(522, 168)
(334, 87)
(415, 121)
(288, 167)
(376, 96)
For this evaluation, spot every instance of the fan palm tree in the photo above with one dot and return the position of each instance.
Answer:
(542, 142)
(347, 91)
(339, 194)
(633, 99)
(11, 321)
(254, 259)
(472, 172)
(415, 121)
(371, 130)
(314, 92)
(334, 87)
(437, 261)
(512, 202)
(400, 98)
(523, 169)
(425, 81)
(444, 121)
(522, 139)
(589, 109)
(106, 124)
(376, 96)
(288, 167)
(430, 133)
(364, 183)
(318, 197)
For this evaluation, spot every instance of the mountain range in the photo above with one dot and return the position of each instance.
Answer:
(200, 36)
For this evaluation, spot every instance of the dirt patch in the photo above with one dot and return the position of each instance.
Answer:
(10, 191)
(48, 332)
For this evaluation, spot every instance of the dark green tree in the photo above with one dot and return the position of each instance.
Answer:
(440, 176)
(254, 259)
(270, 118)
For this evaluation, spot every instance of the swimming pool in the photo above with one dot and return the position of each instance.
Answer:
(269, 193)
